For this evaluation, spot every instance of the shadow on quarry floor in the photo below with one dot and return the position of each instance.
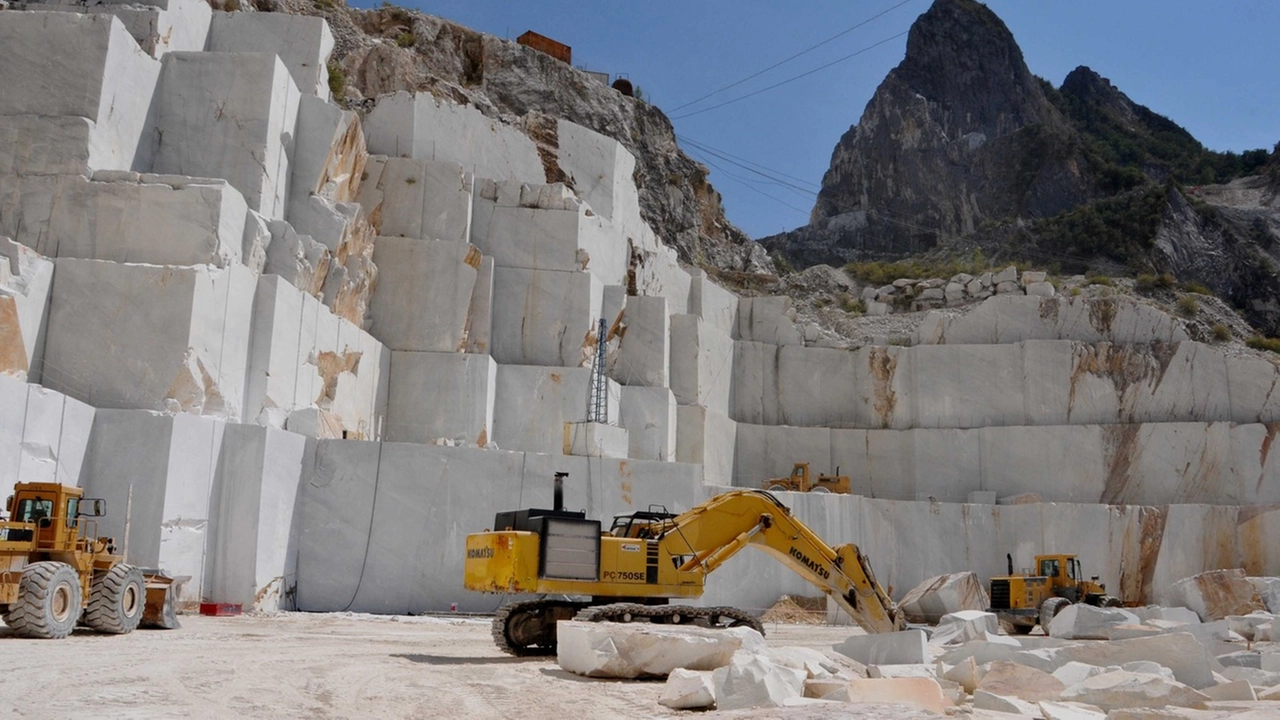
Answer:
(455, 660)
(566, 675)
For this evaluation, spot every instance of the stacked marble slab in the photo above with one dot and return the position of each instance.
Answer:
(527, 246)
(184, 272)
(196, 211)
(1102, 400)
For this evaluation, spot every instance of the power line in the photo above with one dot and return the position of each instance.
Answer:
(807, 194)
(805, 51)
(726, 154)
(793, 79)
(747, 184)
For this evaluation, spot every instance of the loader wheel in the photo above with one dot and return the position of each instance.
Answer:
(1049, 609)
(779, 488)
(117, 600)
(1111, 602)
(821, 490)
(48, 604)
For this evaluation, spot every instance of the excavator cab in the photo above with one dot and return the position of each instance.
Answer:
(641, 524)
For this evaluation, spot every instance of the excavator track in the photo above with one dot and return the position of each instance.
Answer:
(709, 617)
(529, 627)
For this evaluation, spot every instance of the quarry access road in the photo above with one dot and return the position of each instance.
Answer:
(317, 666)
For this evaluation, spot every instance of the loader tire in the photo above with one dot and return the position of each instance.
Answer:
(117, 600)
(48, 604)
(1049, 609)
(1109, 601)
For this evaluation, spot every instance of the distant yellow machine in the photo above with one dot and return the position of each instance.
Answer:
(800, 481)
(630, 572)
(54, 573)
(1023, 601)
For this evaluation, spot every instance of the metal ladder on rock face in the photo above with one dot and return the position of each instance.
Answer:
(598, 395)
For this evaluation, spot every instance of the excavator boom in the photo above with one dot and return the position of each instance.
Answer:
(757, 518)
(647, 558)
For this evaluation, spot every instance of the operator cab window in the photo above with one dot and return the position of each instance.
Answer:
(1049, 568)
(1071, 568)
(73, 510)
(798, 473)
(33, 510)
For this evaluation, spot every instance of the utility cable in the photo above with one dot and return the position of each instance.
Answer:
(805, 51)
(773, 179)
(792, 79)
(699, 144)
(373, 507)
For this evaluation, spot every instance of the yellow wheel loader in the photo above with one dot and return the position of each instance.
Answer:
(1024, 600)
(801, 481)
(630, 572)
(55, 574)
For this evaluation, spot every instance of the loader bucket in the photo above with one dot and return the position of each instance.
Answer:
(161, 608)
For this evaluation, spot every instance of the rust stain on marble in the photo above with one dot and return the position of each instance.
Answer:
(883, 365)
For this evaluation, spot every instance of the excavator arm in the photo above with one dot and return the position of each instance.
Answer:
(703, 538)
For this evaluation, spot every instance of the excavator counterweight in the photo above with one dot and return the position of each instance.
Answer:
(647, 558)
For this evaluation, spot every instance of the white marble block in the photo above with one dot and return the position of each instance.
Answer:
(427, 128)
(643, 356)
(85, 107)
(329, 161)
(26, 278)
(140, 218)
(533, 404)
(44, 435)
(707, 437)
(702, 363)
(593, 439)
(423, 301)
(441, 397)
(303, 43)
(251, 518)
(304, 356)
(716, 306)
(172, 339)
(162, 26)
(161, 469)
(230, 116)
(418, 198)
(545, 317)
(649, 415)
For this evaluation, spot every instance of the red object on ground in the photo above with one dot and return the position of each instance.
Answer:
(220, 609)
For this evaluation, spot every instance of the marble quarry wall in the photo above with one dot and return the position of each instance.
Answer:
(306, 351)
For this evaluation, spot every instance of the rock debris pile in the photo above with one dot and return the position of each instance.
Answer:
(1151, 661)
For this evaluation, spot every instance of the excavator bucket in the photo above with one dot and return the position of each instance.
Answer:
(162, 592)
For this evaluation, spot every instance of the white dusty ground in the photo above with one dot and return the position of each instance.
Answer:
(318, 666)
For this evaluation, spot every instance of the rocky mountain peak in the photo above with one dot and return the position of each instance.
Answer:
(961, 56)
(1095, 91)
(958, 133)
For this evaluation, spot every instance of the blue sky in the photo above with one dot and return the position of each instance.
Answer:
(1211, 67)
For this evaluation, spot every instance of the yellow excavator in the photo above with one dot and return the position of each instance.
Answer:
(647, 558)
(54, 573)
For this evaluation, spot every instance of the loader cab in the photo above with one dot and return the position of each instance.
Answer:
(55, 511)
